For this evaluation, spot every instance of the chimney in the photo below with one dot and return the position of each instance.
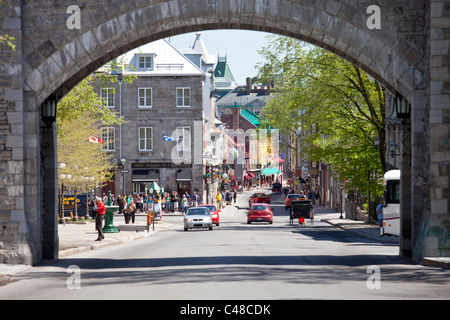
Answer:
(249, 86)
(236, 115)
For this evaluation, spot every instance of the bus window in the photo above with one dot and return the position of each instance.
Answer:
(393, 191)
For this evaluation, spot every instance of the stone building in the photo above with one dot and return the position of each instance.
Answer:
(161, 139)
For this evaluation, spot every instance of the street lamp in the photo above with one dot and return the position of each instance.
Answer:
(392, 148)
(48, 109)
(376, 142)
(402, 107)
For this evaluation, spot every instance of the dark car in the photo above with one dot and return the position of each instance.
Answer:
(276, 187)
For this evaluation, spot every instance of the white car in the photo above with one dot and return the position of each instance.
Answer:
(197, 217)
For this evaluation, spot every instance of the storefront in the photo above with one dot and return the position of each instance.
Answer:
(184, 181)
(170, 176)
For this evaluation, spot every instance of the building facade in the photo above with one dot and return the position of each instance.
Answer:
(162, 107)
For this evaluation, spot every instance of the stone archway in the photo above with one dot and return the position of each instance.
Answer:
(56, 52)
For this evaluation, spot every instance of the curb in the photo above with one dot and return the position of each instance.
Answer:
(71, 251)
(356, 230)
(437, 262)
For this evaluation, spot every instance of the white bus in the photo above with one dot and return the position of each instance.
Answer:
(391, 210)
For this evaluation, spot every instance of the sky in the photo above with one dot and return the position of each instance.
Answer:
(240, 46)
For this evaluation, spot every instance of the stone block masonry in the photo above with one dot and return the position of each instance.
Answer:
(408, 55)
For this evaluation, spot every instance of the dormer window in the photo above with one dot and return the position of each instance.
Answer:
(145, 62)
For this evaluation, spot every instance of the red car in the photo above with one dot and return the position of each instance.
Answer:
(289, 198)
(213, 211)
(260, 212)
(259, 198)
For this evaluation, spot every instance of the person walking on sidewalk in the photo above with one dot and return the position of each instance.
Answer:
(101, 210)
(219, 200)
(317, 197)
(380, 213)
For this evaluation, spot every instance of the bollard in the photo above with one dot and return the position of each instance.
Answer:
(109, 220)
(149, 220)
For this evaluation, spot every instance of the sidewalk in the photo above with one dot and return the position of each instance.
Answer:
(372, 231)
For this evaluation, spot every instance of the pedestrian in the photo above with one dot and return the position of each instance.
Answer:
(120, 203)
(130, 212)
(167, 202)
(317, 197)
(380, 213)
(175, 201)
(227, 197)
(133, 211)
(99, 217)
(137, 202)
(184, 204)
(234, 195)
(219, 200)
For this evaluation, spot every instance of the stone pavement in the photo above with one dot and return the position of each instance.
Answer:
(77, 238)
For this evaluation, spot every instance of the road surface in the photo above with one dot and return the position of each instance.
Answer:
(236, 261)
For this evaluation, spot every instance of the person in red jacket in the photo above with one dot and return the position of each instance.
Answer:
(101, 210)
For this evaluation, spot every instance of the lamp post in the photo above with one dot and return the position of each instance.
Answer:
(402, 107)
(48, 109)
(62, 176)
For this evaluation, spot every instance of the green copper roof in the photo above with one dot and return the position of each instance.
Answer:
(251, 117)
(223, 71)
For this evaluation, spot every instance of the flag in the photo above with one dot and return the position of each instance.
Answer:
(166, 138)
(94, 140)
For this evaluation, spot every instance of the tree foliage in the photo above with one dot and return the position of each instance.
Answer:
(80, 115)
(336, 108)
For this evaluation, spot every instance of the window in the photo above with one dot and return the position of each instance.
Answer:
(108, 95)
(183, 97)
(145, 139)
(139, 188)
(108, 137)
(145, 62)
(145, 97)
(392, 191)
(184, 139)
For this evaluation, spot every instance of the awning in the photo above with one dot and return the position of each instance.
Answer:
(145, 175)
(250, 174)
(270, 171)
(184, 174)
(247, 177)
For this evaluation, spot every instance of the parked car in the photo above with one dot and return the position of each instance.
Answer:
(259, 198)
(197, 217)
(213, 211)
(260, 212)
(289, 198)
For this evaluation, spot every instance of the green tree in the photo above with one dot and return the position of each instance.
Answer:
(338, 108)
(83, 165)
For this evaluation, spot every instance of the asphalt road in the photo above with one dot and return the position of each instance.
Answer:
(236, 261)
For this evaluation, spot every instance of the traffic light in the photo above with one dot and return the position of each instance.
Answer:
(208, 172)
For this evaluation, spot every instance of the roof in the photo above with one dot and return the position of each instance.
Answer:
(200, 47)
(167, 61)
(251, 117)
(244, 99)
(222, 72)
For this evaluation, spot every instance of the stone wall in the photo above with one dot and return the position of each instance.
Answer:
(409, 55)
(436, 231)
